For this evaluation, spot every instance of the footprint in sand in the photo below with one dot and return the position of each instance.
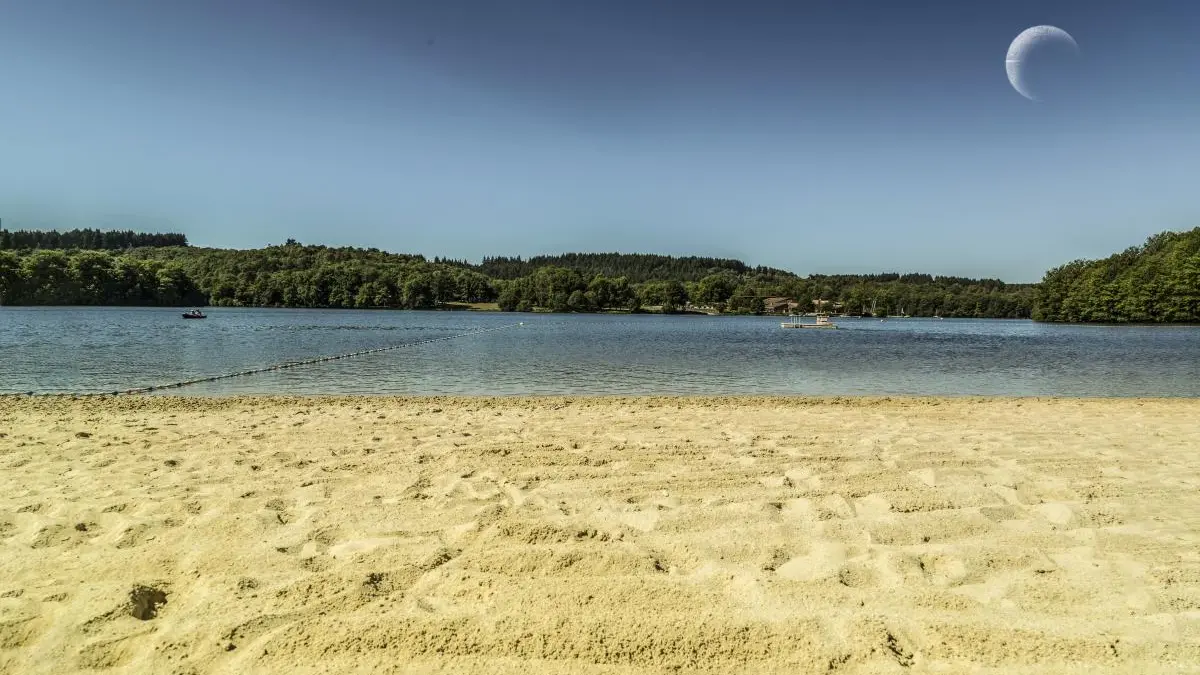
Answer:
(1056, 513)
(834, 506)
(942, 570)
(1001, 513)
(135, 536)
(419, 489)
(105, 654)
(895, 568)
(250, 630)
(347, 549)
(859, 574)
(318, 543)
(801, 478)
(824, 560)
(799, 510)
(52, 535)
(926, 476)
(277, 511)
(872, 506)
(643, 521)
(17, 632)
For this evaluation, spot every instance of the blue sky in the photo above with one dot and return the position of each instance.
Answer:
(854, 136)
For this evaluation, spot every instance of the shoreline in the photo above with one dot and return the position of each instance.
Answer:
(628, 312)
(596, 535)
(798, 400)
(497, 310)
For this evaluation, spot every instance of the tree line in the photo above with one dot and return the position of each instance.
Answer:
(560, 289)
(82, 277)
(103, 240)
(295, 275)
(636, 267)
(1157, 282)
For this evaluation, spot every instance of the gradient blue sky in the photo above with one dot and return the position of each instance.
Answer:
(852, 136)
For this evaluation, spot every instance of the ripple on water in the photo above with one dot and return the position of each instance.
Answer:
(107, 349)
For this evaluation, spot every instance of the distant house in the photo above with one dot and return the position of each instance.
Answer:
(779, 305)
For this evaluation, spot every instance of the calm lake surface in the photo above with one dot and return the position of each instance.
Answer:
(107, 349)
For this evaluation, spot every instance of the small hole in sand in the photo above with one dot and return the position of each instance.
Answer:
(144, 602)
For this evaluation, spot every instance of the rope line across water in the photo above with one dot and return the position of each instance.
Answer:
(283, 366)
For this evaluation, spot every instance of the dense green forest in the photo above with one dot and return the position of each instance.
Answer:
(87, 239)
(83, 277)
(294, 275)
(1158, 282)
(635, 267)
(564, 289)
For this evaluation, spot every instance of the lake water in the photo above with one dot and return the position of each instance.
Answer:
(106, 349)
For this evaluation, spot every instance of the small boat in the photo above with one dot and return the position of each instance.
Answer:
(194, 314)
(822, 322)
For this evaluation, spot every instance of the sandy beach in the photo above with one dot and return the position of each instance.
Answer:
(622, 535)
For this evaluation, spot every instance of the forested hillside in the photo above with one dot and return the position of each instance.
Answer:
(635, 267)
(110, 240)
(294, 275)
(82, 277)
(1157, 282)
(564, 289)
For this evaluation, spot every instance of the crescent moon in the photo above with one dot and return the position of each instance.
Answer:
(1020, 47)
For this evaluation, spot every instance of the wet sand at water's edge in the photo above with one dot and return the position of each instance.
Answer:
(611, 535)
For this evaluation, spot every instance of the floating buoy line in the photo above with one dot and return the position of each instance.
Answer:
(281, 366)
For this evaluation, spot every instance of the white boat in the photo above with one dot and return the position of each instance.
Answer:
(822, 322)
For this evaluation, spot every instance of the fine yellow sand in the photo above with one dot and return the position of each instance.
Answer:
(635, 535)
